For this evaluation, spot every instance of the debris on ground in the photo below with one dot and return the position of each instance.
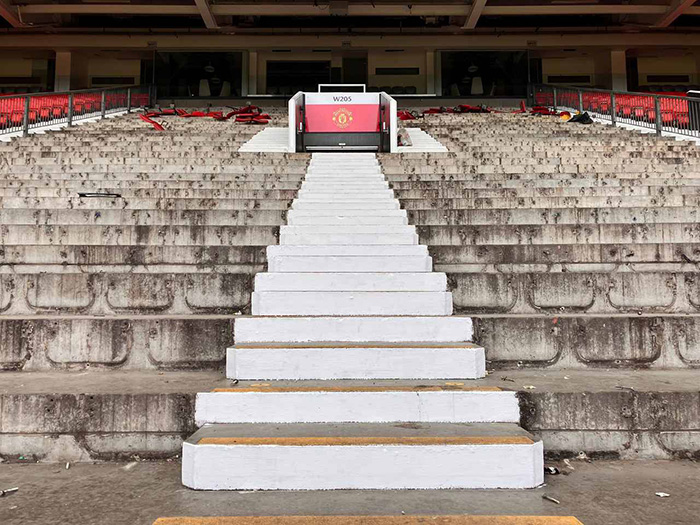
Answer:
(550, 498)
(506, 378)
(529, 387)
(663, 494)
(552, 471)
(67, 465)
(131, 465)
(8, 491)
(568, 464)
(582, 456)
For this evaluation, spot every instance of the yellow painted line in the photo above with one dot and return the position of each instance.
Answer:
(426, 388)
(364, 441)
(373, 520)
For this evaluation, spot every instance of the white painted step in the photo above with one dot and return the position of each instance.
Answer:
(346, 404)
(324, 361)
(340, 220)
(341, 263)
(349, 204)
(377, 250)
(404, 282)
(346, 213)
(348, 238)
(327, 186)
(313, 456)
(352, 329)
(327, 169)
(350, 229)
(328, 195)
(351, 303)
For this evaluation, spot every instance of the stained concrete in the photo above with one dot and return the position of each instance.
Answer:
(597, 493)
(105, 415)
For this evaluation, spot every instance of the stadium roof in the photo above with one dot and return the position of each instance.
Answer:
(351, 16)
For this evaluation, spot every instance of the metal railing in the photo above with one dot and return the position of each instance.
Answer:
(658, 112)
(21, 113)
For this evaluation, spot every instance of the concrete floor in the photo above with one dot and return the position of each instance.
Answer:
(129, 494)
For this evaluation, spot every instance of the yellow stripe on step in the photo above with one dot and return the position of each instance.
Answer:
(426, 388)
(373, 520)
(367, 441)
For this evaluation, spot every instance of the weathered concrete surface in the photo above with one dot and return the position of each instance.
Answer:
(587, 341)
(570, 246)
(105, 415)
(597, 493)
(141, 342)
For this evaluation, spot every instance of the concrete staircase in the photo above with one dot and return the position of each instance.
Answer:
(350, 295)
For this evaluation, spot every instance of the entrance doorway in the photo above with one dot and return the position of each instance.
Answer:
(355, 70)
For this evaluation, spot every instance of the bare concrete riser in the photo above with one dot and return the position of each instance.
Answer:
(658, 419)
(171, 343)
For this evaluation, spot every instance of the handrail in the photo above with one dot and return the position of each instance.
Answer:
(86, 90)
(21, 113)
(654, 111)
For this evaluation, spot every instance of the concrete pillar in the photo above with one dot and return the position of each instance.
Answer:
(252, 72)
(430, 72)
(244, 74)
(618, 69)
(63, 71)
(438, 73)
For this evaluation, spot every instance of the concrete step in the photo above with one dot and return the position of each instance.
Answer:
(404, 282)
(349, 229)
(367, 250)
(329, 187)
(348, 204)
(351, 303)
(370, 404)
(305, 238)
(352, 329)
(328, 194)
(357, 263)
(294, 213)
(326, 456)
(346, 220)
(342, 360)
(375, 520)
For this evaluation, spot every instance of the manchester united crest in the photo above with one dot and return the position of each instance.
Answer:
(342, 118)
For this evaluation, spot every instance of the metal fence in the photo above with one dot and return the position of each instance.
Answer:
(21, 113)
(658, 112)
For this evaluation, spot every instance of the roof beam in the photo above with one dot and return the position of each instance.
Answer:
(207, 15)
(356, 9)
(8, 13)
(676, 9)
(474, 14)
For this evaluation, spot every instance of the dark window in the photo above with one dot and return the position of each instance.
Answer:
(113, 81)
(484, 73)
(196, 74)
(289, 76)
(25, 81)
(660, 79)
(397, 71)
(569, 79)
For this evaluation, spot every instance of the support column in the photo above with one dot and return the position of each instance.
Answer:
(244, 74)
(63, 71)
(430, 72)
(618, 69)
(438, 73)
(252, 72)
